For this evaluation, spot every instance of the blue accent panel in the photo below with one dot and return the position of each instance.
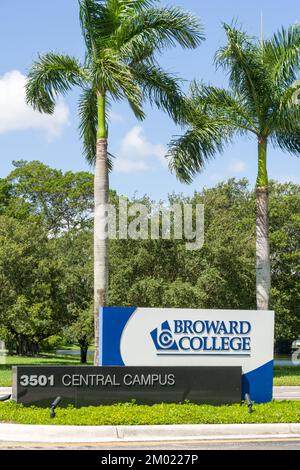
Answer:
(259, 383)
(114, 320)
(101, 336)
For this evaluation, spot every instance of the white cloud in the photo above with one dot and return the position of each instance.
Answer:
(115, 117)
(137, 153)
(237, 166)
(124, 165)
(16, 115)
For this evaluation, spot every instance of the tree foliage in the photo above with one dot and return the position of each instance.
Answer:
(46, 269)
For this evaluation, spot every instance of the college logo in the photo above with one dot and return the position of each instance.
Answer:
(163, 338)
(203, 337)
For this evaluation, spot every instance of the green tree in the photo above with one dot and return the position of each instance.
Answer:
(75, 250)
(163, 273)
(258, 103)
(81, 331)
(285, 256)
(47, 282)
(122, 38)
(5, 195)
(32, 295)
(64, 201)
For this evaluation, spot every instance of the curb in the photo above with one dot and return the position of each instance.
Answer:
(88, 434)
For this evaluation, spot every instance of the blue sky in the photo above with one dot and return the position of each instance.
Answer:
(36, 26)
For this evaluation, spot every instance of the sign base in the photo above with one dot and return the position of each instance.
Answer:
(92, 386)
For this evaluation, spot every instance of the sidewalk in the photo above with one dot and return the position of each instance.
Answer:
(286, 393)
(88, 434)
(114, 434)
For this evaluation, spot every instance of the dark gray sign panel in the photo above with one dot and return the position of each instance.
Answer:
(92, 386)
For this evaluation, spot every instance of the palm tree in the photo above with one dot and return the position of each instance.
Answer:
(122, 38)
(258, 103)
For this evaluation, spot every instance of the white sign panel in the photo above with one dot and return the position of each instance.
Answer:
(189, 337)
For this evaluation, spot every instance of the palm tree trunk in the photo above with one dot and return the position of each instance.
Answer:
(263, 271)
(101, 190)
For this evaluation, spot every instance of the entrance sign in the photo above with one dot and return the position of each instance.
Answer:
(188, 337)
(92, 386)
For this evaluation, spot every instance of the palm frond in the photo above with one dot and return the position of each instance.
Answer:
(96, 23)
(288, 141)
(87, 110)
(259, 101)
(101, 19)
(285, 119)
(51, 75)
(282, 52)
(157, 29)
(227, 105)
(284, 113)
(115, 77)
(243, 58)
(160, 88)
(126, 36)
(189, 153)
(125, 6)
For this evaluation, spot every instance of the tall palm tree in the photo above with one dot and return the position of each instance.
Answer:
(122, 38)
(258, 103)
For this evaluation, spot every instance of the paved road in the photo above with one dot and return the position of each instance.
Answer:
(287, 362)
(253, 444)
(286, 393)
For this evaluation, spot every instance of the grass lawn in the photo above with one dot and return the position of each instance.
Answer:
(46, 359)
(283, 375)
(132, 414)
